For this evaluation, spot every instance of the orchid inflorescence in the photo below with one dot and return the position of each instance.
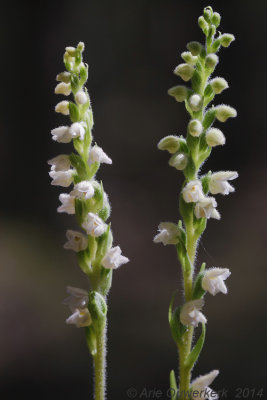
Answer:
(197, 203)
(89, 203)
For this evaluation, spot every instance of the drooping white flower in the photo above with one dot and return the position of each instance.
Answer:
(76, 241)
(59, 163)
(114, 259)
(206, 208)
(61, 134)
(63, 88)
(191, 314)
(77, 130)
(78, 298)
(179, 161)
(218, 182)
(99, 156)
(213, 280)
(215, 137)
(68, 203)
(223, 112)
(193, 192)
(201, 386)
(81, 97)
(94, 225)
(80, 318)
(168, 233)
(84, 189)
(61, 178)
(63, 107)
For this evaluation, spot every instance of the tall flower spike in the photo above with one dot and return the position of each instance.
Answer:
(89, 202)
(196, 203)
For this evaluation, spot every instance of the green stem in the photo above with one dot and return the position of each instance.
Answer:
(100, 366)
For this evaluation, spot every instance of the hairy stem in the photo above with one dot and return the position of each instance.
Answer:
(100, 366)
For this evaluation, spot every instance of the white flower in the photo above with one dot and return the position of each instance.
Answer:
(114, 259)
(63, 107)
(190, 313)
(80, 318)
(195, 128)
(201, 386)
(206, 208)
(218, 182)
(218, 84)
(185, 71)
(61, 178)
(195, 102)
(213, 280)
(76, 130)
(84, 189)
(192, 192)
(224, 112)
(168, 233)
(99, 156)
(76, 241)
(94, 225)
(81, 97)
(78, 298)
(215, 137)
(61, 134)
(179, 161)
(68, 204)
(59, 163)
(63, 88)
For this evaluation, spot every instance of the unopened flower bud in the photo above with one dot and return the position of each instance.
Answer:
(63, 88)
(185, 71)
(189, 58)
(80, 46)
(62, 107)
(211, 60)
(218, 84)
(81, 97)
(195, 128)
(224, 112)
(169, 143)
(64, 77)
(178, 92)
(195, 102)
(207, 13)
(215, 137)
(226, 39)
(203, 24)
(71, 51)
(178, 161)
(194, 47)
(216, 19)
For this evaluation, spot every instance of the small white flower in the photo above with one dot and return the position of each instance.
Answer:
(215, 137)
(193, 192)
(84, 189)
(218, 182)
(195, 128)
(61, 134)
(76, 241)
(168, 233)
(59, 163)
(190, 313)
(223, 112)
(81, 97)
(61, 178)
(94, 225)
(185, 71)
(68, 204)
(195, 102)
(76, 130)
(80, 318)
(99, 156)
(63, 107)
(114, 259)
(63, 88)
(206, 208)
(213, 280)
(64, 77)
(218, 84)
(201, 386)
(178, 161)
(78, 298)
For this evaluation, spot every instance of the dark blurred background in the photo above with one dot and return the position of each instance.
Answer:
(132, 48)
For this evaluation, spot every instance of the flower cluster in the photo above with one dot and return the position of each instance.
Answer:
(197, 202)
(87, 199)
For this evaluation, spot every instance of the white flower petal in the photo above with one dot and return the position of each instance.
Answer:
(61, 178)
(76, 241)
(68, 204)
(80, 318)
(59, 163)
(193, 192)
(168, 233)
(114, 259)
(99, 156)
(213, 280)
(94, 225)
(190, 313)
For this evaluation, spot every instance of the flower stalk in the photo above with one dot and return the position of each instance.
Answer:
(89, 203)
(196, 206)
